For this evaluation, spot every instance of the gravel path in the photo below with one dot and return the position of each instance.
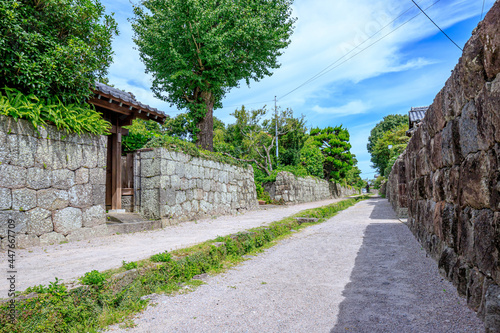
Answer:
(41, 265)
(361, 271)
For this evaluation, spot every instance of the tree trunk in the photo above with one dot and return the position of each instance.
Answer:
(205, 138)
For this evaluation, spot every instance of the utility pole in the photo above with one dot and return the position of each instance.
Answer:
(276, 113)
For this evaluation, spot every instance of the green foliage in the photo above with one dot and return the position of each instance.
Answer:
(389, 123)
(93, 278)
(54, 47)
(378, 181)
(140, 132)
(335, 147)
(77, 118)
(198, 50)
(92, 309)
(189, 148)
(54, 288)
(312, 159)
(261, 193)
(129, 265)
(384, 157)
(161, 257)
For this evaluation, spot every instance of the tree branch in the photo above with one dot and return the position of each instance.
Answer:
(250, 161)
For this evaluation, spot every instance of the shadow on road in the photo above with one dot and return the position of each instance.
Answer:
(380, 211)
(394, 288)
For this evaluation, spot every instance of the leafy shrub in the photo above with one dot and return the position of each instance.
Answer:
(161, 257)
(189, 148)
(93, 278)
(77, 118)
(129, 265)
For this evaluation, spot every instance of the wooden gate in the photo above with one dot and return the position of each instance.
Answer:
(128, 182)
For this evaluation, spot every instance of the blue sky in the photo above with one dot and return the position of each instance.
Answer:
(407, 68)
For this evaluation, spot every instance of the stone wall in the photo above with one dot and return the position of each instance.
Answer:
(452, 167)
(395, 189)
(52, 184)
(174, 186)
(291, 189)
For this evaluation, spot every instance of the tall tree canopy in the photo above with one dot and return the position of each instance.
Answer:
(388, 148)
(389, 122)
(380, 155)
(54, 47)
(335, 146)
(197, 50)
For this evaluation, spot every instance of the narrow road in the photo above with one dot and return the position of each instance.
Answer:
(361, 271)
(41, 265)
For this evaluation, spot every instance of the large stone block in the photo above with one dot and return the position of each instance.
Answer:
(468, 130)
(80, 196)
(52, 199)
(485, 240)
(5, 154)
(27, 241)
(150, 203)
(150, 167)
(23, 199)
(74, 156)
(97, 176)
(63, 179)
(492, 309)
(12, 176)
(89, 156)
(67, 220)
(5, 198)
(22, 150)
(102, 156)
(82, 176)
(52, 238)
(449, 142)
(98, 195)
(20, 222)
(38, 178)
(94, 216)
(40, 221)
(80, 234)
(474, 181)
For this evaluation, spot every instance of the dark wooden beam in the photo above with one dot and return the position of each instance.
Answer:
(123, 131)
(104, 103)
(116, 165)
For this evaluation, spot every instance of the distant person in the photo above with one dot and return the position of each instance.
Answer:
(367, 188)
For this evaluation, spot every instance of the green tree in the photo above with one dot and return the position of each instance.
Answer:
(140, 132)
(388, 123)
(334, 144)
(54, 47)
(311, 158)
(197, 50)
(388, 148)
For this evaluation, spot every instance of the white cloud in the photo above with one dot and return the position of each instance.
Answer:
(326, 31)
(351, 108)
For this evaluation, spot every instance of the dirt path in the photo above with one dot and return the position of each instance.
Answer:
(41, 265)
(361, 271)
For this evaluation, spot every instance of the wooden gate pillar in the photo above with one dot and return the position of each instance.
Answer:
(116, 165)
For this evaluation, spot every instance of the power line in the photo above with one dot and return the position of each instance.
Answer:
(323, 72)
(444, 33)
(482, 11)
(345, 55)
